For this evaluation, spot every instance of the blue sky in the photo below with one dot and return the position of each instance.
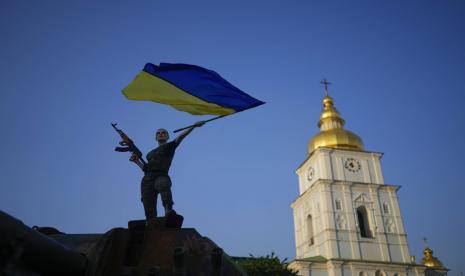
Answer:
(398, 72)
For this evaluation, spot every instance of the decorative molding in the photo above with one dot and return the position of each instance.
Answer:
(341, 221)
(389, 224)
(362, 199)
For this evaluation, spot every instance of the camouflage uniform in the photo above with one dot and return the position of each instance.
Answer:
(156, 180)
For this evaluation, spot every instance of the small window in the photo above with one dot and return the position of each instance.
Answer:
(386, 208)
(310, 230)
(338, 205)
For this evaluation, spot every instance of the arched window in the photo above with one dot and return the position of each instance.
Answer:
(362, 273)
(380, 273)
(363, 223)
(310, 230)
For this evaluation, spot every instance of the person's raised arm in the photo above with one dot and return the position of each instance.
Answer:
(183, 135)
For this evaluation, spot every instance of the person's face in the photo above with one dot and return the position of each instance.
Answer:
(162, 135)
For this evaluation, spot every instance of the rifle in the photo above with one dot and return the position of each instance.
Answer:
(128, 145)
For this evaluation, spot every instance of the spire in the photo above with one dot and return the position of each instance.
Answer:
(332, 133)
(330, 117)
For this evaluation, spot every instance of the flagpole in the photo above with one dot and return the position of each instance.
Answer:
(206, 121)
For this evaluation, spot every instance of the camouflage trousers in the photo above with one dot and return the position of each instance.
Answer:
(151, 186)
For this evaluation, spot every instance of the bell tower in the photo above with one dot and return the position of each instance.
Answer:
(347, 221)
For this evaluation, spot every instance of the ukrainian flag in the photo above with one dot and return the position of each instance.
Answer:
(188, 88)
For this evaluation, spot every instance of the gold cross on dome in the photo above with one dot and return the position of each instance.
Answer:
(325, 83)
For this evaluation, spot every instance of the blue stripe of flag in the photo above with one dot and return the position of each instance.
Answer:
(204, 84)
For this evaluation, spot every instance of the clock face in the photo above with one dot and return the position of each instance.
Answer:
(352, 165)
(310, 173)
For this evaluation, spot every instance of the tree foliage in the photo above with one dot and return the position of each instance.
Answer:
(268, 265)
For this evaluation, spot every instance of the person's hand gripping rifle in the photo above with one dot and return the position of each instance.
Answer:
(128, 145)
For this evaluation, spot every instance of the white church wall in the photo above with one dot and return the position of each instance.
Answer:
(396, 253)
(357, 268)
(370, 251)
(345, 245)
(318, 272)
(333, 207)
(347, 270)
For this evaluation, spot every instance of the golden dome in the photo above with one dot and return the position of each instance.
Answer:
(332, 134)
(429, 260)
(335, 138)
